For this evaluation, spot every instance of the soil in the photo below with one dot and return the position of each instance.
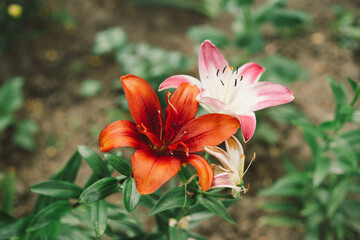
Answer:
(65, 118)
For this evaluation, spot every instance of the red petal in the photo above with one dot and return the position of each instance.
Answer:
(121, 134)
(144, 105)
(182, 108)
(206, 174)
(152, 170)
(206, 130)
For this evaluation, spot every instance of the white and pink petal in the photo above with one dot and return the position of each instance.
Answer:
(211, 64)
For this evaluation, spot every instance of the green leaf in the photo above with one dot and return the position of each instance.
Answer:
(131, 195)
(353, 84)
(338, 195)
(311, 135)
(90, 87)
(109, 40)
(6, 120)
(14, 229)
(215, 206)
(339, 92)
(322, 167)
(174, 198)
(99, 216)
(282, 221)
(11, 95)
(48, 215)
(201, 33)
(288, 18)
(119, 164)
(94, 161)
(176, 233)
(8, 189)
(25, 132)
(57, 188)
(99, 190)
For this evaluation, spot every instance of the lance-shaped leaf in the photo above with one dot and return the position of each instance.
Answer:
(56, 188)
(214, 205)
(99, 216)
(173, 198)
(119, 164)
(94, 161)
(99, 190)
(131, 195)
(48, 215)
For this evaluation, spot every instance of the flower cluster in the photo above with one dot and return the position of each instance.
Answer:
(165, 141)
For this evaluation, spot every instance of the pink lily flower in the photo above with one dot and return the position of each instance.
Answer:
(236, 92)
(233, 160)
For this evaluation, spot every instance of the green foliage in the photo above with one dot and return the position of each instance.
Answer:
(11, 100)
(249, 19)
(56, 188)
(95, 162)
(131, 195)
(99, 216)
(215, 206)
(174, 198)
(347, 27)
(320, 195)
(57, 216)
(99, 190)
(119, 164)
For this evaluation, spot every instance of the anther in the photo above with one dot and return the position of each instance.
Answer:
(224, 69)
(222, 82)
(235, 82)
(241, 78)
(217, 73)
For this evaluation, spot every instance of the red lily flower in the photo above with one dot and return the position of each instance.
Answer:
(162, 146)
